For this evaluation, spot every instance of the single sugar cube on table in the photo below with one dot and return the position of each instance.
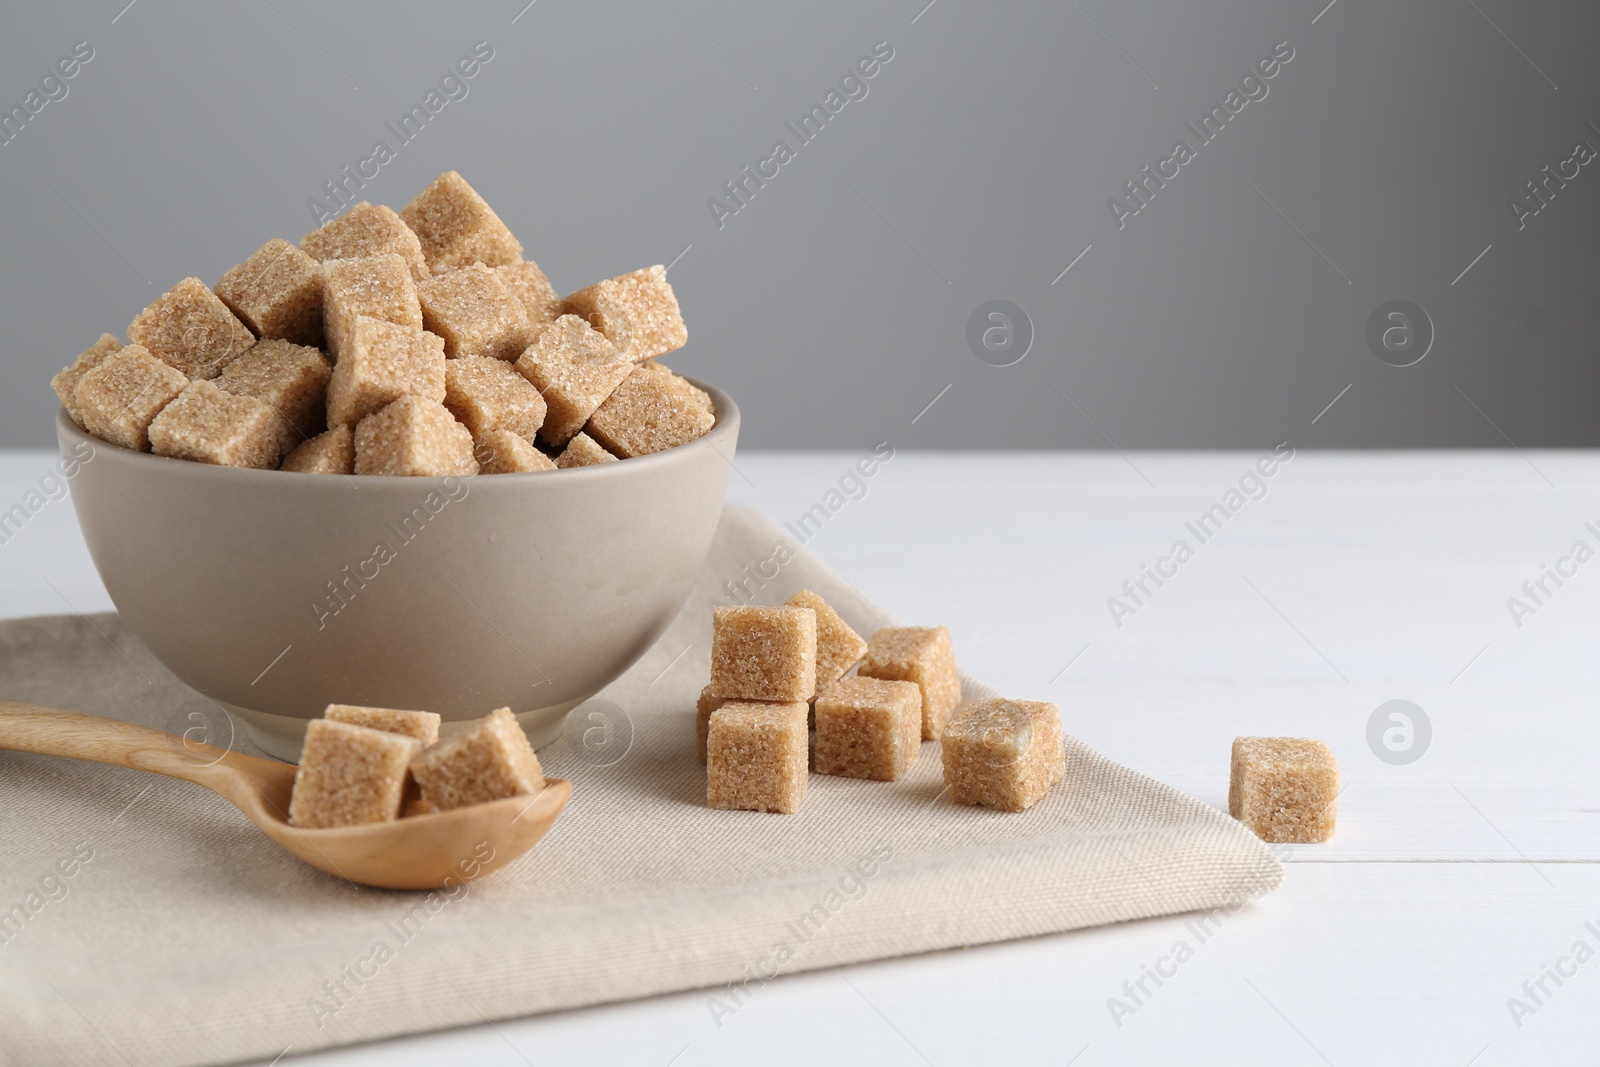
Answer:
(575, 368)
(527, 283)
(1003, 754)
(376, 287)
(422, 725)
(367, 230)
(349, 775)
(707, 703)
(382, 363)
(503, 452)
(917, 654)
(119, 397)
(756, 758)
(762, 653)
(637, 311)
(277, 293)
(868, 728)
(207, 424)
(651, 411)
(414, 437)
(290, 379)
(474, 314)
(838, 646)
(191, 330)
(582, 451)
(457, 228)
(1284, 789)
(488, 394)
(65, 383)
(331, 452)
(492, 760)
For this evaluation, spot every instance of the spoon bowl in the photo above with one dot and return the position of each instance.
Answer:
(418, 852)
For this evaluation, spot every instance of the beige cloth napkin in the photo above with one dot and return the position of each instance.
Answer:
(182, 936)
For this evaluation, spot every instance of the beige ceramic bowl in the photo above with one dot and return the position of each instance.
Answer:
(276, 594)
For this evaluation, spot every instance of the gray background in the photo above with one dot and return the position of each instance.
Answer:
(834, 306)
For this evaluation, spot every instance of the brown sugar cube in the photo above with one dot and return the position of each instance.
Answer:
(191, 330)
(651, 411)
(922, 655)
(277, 292)
(492, 760)
(331, 452)
(290, 379)
(582, 451)
(761, 653)
(65, 383)
(414, 437)
(456, 227)
(575, 368)
(349, 775)
(367, 230)
(474, 314)
(637, 311)
(703, 707)
(1285, 789)
(756, 757)
(382, 363)
(486, 394)
(838, 646)
(503, 452)
(378, 287)
(422, 725)
(868, 728)
(527, 283)
(120, 396)
(210, 425)
(1003, 754)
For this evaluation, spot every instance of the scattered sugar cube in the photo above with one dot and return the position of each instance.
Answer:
(474, 314)
(422, 725)
(922, 655)
(503, 452)
(492, 760)
(120, 396)
(65, 383)
(416, 437)
(838, 646)
(210, 425)
(330, 452)
(1003, 754)
(378, 287)
(191, 330)
(456, 227)
(349, 775)
(575, 368)
(868, 728)
(651, 411)
(756, 757)
(367, 230)
(1285, 789)
(527, 283)
(381, 363)
(637, 311)
(703, 707)
(486, 394)
(277, 292)
(762, 653)
(290, 379)
(582, 451)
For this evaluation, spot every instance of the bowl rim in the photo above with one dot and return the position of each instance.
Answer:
(726, 426)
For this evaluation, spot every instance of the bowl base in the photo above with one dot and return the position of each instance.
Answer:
(281, 736)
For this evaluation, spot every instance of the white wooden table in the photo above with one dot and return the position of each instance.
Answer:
(1357, 579)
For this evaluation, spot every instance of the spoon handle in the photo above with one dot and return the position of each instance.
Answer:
(54, 732)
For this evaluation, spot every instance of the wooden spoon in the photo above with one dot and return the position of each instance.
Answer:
(419, 852)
